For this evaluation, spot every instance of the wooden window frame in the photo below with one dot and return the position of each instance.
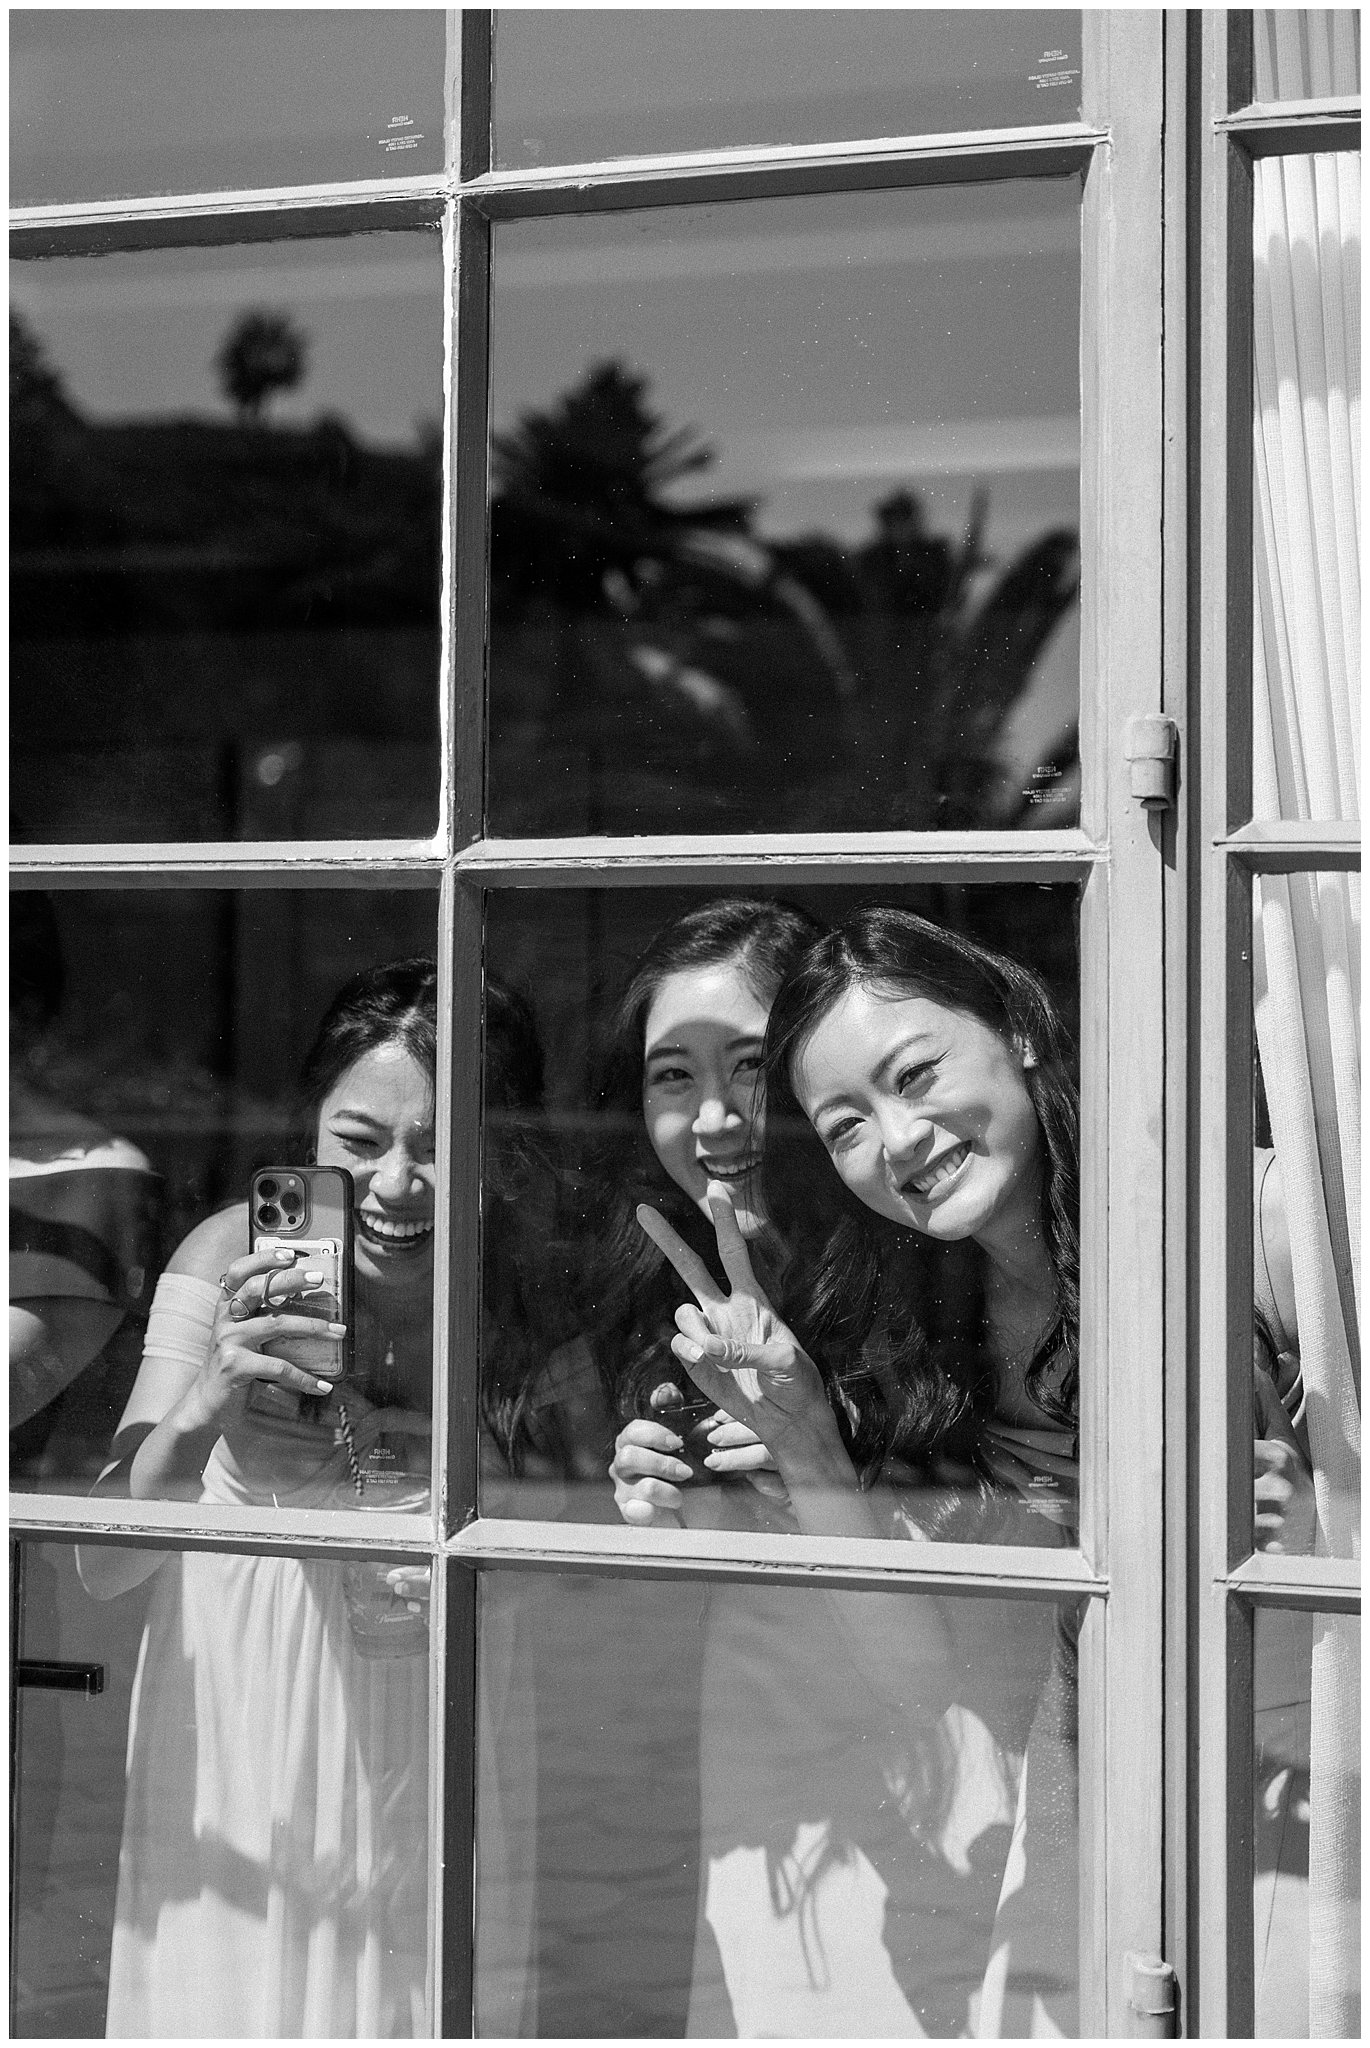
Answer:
(1231, 1581)
(1117, 855)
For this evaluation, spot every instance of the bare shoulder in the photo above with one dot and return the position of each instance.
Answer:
(212, 1245)
(1272, 1224)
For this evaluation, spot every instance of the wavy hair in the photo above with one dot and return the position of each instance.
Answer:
(631, 1291)
(898, 1318)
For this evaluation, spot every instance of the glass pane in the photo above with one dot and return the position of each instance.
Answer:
(262, 1869)
(164, 1045)
(572, 87)
(797, 550)
(116, 103)
(1307, 1835)
(225, 510)
(1306, 1279)
(624, 1033)
(745, 1810)
(1306, 435)
(1307, 53)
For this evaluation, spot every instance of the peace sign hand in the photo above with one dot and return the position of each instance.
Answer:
(734, 1346)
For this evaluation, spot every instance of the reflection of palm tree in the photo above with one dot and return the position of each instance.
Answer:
(579, 500)
(262, 353)
(731, 680)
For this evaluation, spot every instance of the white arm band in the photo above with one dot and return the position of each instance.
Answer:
(180, 1323)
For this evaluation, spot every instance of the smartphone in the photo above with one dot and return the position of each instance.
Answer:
(686, 1415)
(309, 1210)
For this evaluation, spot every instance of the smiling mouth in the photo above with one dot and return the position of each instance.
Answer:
(926, 1183)
(393, 1235)
(733, 1171)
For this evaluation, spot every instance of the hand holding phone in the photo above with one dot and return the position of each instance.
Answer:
(307, 1211)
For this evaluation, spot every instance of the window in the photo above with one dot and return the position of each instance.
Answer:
(490, 520)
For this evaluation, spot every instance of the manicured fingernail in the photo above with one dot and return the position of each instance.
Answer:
(324, 1386)
(685, 1349)
(283, 1255)
(336, 1329)
(313, 1278)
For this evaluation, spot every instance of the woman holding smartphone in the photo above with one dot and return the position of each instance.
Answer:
(273, 1873)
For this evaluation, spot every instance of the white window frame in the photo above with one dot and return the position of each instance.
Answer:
(1120, 855)
(1234, 1581)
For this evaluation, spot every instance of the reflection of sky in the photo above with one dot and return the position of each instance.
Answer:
(829, 348)
(135, 336)
(589, 82)
(832, 349)
(107, 102)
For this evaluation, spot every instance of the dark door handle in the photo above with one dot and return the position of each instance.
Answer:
(56, 1674)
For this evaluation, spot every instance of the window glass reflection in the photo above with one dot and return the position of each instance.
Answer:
(1306, 1225)
(111, 103)
(163, 1047)
(578, 86)
(921, 1316)
(798, 549)
(225, 508)
(262, 1870)
(1307, 53)
(1306, 449)
(734, 1811)
(1307, 1888)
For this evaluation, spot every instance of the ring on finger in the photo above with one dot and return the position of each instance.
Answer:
(266, 1303)
(238, 1308)
(223, 1284)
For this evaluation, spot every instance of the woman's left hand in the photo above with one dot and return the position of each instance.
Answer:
(734, 1346)
(411, 1583)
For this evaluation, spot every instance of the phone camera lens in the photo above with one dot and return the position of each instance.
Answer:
(268, 1190)
(269, 1214)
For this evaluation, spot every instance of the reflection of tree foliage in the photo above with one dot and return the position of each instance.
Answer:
(676, 662)
(167, 523)
(262, 353)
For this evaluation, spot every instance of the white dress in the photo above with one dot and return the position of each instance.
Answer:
(273, 1871)
(866, 1876)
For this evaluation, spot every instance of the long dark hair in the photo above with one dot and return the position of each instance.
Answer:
(524, 1277)
(631, 1292)
(895, 1317)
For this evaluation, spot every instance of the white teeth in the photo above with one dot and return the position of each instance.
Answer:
(383, 1227)
(924, 1184)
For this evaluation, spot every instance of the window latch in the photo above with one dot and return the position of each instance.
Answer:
(1152, 745)
(57, 1674)
(1153, 1997)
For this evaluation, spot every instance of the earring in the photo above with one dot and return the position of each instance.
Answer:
(1026, 1054)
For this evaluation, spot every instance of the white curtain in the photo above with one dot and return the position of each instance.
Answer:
(1307, 939)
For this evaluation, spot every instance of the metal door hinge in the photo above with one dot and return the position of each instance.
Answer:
(1152, 745)
(1153, 1998)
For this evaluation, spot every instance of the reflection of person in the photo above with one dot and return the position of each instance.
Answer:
(81, 1211)
(935, 1074)
(617, 1884)
(273, 1872)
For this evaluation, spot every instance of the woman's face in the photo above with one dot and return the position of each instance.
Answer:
(377, 1121)
(701, 1083)
(926, 1115)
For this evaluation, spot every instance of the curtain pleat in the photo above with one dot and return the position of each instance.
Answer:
(1307, 932)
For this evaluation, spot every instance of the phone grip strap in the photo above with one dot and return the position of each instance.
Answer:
(181, 1319)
